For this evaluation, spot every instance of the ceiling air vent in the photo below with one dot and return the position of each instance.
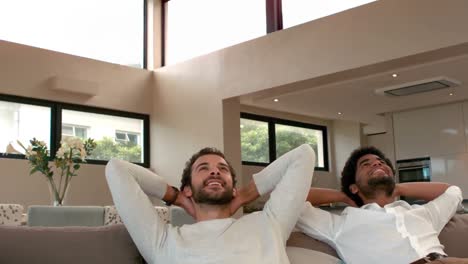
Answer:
(421, 86)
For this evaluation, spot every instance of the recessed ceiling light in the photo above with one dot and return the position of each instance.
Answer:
(394, 75)
(339, 113)
(276, 100)
(450, 94)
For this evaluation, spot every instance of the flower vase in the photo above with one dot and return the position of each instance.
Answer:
(55, 199)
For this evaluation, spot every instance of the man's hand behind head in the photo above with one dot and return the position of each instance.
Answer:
(186, 203)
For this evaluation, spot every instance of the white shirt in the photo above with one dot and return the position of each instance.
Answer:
(255, 238)
(396, 233)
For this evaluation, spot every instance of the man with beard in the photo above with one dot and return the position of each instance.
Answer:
(209, 194)
(381, 230)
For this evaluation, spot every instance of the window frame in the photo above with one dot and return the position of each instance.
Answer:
(56, 124)
(272, 121)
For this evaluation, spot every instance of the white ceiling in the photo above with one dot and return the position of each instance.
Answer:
(353, 94)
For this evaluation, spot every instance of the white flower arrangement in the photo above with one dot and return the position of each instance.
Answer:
(71, 153)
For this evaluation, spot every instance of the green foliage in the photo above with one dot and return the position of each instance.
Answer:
(254, 140)
(106, 149)
(288, 139)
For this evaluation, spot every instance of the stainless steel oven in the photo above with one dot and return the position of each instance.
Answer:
(414, 170)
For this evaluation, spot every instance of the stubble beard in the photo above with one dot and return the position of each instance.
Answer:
(220, 198)
(377, 184)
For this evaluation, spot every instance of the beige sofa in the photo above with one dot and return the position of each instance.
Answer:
(112, 244)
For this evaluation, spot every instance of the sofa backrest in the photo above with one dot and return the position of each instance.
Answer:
(103, 244)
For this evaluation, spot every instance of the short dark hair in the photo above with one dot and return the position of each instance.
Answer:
(348, 175)
(187, 172)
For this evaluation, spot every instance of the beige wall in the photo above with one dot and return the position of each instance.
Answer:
(26, 71)
(187, 115)
(347, 137)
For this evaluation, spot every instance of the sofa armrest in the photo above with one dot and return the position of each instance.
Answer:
(454, 236)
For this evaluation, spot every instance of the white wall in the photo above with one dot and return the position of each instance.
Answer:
(385, 141)
(347, 137)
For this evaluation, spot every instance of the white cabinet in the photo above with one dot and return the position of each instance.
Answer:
(431, 131)
(452, 169)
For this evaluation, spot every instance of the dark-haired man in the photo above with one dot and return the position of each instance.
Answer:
(208, 193)
(381, 230)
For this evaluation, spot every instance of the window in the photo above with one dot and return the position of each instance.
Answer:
(198, 27)
(107, 30)
(264, 139)
(300, 11)
(193, 28)
(22, 120)
(117, 134)
(127, 137)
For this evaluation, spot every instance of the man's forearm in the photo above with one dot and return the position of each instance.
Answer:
(427, 191)
(318, 196)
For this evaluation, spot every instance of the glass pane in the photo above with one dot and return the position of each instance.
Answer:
(290, 137)
(133, 138)
(102, 129)
(80, 132)
(199, 27)
(120, 136)
(106, 30)
(67, 130)
(23, 122)
(254, 141)
(300, 11)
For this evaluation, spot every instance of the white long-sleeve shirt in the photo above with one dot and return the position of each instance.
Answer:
(396, 233)
(254, 238)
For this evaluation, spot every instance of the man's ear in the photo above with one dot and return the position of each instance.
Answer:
(234, 192)
(187, 191)
(353, 188)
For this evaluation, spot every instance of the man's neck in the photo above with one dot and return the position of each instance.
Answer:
(204, 212)
(381, 198)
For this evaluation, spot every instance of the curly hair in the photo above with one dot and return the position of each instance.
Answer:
(348, 175)
(187, 172)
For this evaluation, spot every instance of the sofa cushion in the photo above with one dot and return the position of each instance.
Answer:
(11, 214)
(104, 244)
(454, 236)
(112, 217)
(39, 215)
(301, 240)
(298, 255)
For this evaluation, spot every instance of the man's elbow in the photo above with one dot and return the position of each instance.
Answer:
(112, 167)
